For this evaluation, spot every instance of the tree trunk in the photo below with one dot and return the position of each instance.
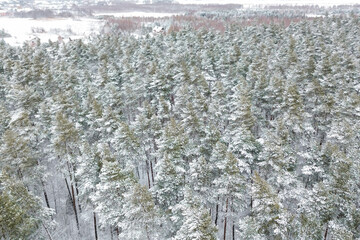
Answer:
(233, 231)
(47, 231)
(155, 148)
(77, 194)
(216, 214)
(95, 227)
(117, 233)
(72, 170)
(74, 206)
(72, 193)
(225, 220)
(148, 174)
(44, 190)
(137, 172)
(251, 204)
(45, 195)
(53, 192)
(68, 188)
(152, 172)
(72, 197)
(326, 232)
(251, 198)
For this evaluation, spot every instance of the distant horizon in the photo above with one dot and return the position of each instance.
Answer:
(328, 3)
(325, 3)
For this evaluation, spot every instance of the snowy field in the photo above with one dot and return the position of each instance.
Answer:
(137, 14)
(24, 29)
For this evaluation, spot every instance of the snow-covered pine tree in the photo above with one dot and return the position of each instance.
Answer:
(22, 214)
(141, 216)
(115, 181)
(197, 223)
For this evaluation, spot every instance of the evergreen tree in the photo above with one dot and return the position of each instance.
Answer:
(114, 183)
(22, 214)
(268, 219)
(334, 199)
(197, 223)
(240, 130)
(141, 216)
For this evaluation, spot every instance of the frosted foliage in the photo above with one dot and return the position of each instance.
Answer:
(231, 123)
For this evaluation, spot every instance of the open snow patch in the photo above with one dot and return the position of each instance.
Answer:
(136, 14)
(25, 29)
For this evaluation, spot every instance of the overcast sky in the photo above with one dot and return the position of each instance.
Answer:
(292, 2)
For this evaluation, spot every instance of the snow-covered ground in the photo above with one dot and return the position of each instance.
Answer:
(136, 14)
(24, 29)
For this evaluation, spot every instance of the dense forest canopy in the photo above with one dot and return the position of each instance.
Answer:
(250, 133)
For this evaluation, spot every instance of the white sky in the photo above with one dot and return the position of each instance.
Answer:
(273, 2)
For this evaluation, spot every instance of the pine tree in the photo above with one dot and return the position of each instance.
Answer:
(88, 170)
(168, 183)
(128, 148)
(141, 216)
(4, 119)
(87, 173)
(147, 127)
(173, 144)
(18, 159)
(200, 178)
(268, 219)
(218, 111)
(239, 133)
(22, 214)
(277, 164)
(228, 182)
(295, 114)
(334, 197)
(65, 142)
(114, 183)
(197, 223)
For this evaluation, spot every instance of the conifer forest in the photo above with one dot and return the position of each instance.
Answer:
(246, 131)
